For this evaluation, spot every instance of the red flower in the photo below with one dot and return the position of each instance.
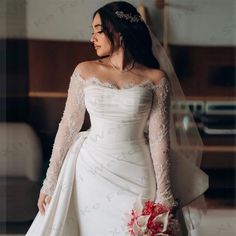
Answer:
(152, 219)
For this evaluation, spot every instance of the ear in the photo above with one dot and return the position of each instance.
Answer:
(118, 36)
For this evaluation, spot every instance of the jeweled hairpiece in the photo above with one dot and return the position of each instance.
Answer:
(135, 18)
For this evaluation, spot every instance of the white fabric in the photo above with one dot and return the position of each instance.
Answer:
(69, 127)
(112, 163)
(185, 139)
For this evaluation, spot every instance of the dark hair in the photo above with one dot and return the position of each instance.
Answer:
(136, 37)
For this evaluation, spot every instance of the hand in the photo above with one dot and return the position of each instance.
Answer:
(43, 200)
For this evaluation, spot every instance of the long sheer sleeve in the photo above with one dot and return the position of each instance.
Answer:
(159, 141)
(69, 126)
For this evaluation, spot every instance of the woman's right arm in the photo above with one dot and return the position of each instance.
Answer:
(69, 126)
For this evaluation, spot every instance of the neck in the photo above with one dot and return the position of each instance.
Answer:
(119, 60)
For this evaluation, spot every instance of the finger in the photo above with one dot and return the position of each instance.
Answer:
(47, 199)
(41, 209)
(41, 206)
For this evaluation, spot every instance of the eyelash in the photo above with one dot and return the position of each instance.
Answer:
(99, 32)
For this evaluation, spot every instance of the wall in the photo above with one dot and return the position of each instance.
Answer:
(199, 22)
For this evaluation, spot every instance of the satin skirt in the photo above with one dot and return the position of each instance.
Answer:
(98, 185)
(96, 189)
(108, 180)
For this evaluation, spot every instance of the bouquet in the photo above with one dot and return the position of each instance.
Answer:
(152, 219)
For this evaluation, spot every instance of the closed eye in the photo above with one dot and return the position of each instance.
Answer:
(99, 32)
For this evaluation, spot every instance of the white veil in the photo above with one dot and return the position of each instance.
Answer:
(189, 181)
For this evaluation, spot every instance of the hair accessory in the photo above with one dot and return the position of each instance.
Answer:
(135, 18)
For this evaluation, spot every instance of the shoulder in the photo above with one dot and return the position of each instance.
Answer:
(158, 76)
(161, 83)
(161, 80)
(155, 75)
(85, 68)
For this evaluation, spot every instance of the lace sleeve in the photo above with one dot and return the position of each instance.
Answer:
(159, 141)
(69, 126)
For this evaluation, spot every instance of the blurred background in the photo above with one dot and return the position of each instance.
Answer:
(41, 42)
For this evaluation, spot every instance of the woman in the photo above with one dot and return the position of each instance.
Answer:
(95, 176)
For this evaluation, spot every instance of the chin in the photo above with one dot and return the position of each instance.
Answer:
(97, 52)
(101, 53)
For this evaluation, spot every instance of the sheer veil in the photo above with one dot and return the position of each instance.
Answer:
(186, 146)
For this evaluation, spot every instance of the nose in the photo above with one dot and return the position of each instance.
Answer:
(93, 38)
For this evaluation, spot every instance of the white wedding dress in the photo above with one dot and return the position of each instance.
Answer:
(95, 176)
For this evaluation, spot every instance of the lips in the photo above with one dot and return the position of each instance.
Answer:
(96, 47)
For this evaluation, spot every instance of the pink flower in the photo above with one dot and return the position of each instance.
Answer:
(151, 219)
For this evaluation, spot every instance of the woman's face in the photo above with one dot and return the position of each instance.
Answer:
(101, 42)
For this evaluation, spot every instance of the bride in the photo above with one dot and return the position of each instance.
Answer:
(96, 176)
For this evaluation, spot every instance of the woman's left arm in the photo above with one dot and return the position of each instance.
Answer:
(159, 141)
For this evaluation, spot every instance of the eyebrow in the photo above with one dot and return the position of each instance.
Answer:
(95, 26)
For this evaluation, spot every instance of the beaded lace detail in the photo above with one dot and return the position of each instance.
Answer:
(158, 129)
(159, 141)
(69, 126)
(147, 83)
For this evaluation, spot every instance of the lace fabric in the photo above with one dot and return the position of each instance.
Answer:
(145, 83)
(73, 118)
(185, 140)
(69, 126)
(159, 142)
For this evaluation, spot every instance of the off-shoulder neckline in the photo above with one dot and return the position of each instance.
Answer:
(146, 83)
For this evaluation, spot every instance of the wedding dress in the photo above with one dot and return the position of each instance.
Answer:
(95, 176)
